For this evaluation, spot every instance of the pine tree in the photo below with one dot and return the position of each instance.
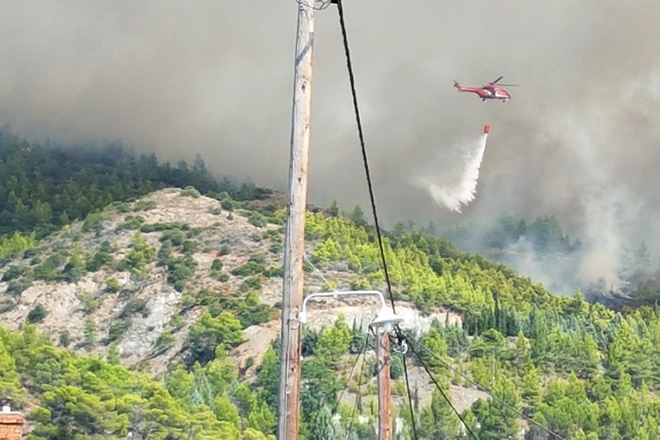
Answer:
(438, 421)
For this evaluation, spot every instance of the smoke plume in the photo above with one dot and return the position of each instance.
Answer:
(580, 138)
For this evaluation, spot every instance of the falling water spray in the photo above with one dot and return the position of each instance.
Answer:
(455, 196)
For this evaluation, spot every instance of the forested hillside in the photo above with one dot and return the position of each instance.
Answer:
(44, 188)
(175, 286)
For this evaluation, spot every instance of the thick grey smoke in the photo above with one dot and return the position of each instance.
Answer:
(579, 139)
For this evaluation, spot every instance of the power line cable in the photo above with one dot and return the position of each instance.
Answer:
(358, 395)
(442, 392)
(350, 374)
(400, 335)
(372, 198)
(485, 390)
(410, 405)
(351, 77)
(318, 272)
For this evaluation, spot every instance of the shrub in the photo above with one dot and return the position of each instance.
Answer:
(144, 205)
(253, 283)
(177, 321)
(31, 253)
(106, 247)
(49, 270)
(227, 204)
(159, 227)
(89, 331)
(216, 271)
(133, 307)
(88, 300)
(396, 367)
(74, 269)
(256, 219)
(274, 271)
(112, 285)
(258, 258)
(193, 232)
(249, 311)
(141, 254)
(190, 191)
(165, 253)
(112, 357)
(65, 338)
(165, 340)
(175, 236)
(209, 332)
(6, 305)
(98, 260)
(249, 268)
(17, 243)
(37, 314)
(15, 288)
(131, 222)
(117, 329)
(189, 247)
(14, 271)
(179, 270)
(360, 284)
(276, 248)
(217, 265)
(93, 222)
(272, 234)
(204, 297)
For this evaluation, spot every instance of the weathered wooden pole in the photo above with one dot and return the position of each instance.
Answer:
(294, 240)
(384, 384)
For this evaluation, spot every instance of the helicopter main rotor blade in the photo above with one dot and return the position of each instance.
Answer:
(497, 80)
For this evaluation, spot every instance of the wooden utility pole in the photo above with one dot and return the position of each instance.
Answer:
(384, 385)
(294, 239)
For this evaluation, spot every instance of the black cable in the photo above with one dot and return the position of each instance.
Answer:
(487, 391)
(349, 65)
(410, 405)
(359, 387)
(350, 374)
(400, 335)
(351, 77)
(442, 392)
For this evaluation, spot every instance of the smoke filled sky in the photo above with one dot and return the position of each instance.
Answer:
(580, 139)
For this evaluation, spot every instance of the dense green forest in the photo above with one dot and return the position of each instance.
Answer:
(578, 368)
(44, 188)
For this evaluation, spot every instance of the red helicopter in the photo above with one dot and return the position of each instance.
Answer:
(488, 91)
